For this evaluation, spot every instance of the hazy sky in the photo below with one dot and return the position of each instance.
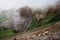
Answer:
(8, 4)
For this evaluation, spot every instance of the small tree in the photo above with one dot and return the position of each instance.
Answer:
(26, 14)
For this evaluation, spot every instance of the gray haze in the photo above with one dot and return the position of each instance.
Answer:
(9, 4)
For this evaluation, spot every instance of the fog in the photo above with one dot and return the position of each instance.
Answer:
(9, 4)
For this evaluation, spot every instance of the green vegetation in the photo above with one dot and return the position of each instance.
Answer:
(2, 19)
(48, 20)
(32, 25)
(4, 32)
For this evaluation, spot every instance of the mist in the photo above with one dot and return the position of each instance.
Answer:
(15, 4)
